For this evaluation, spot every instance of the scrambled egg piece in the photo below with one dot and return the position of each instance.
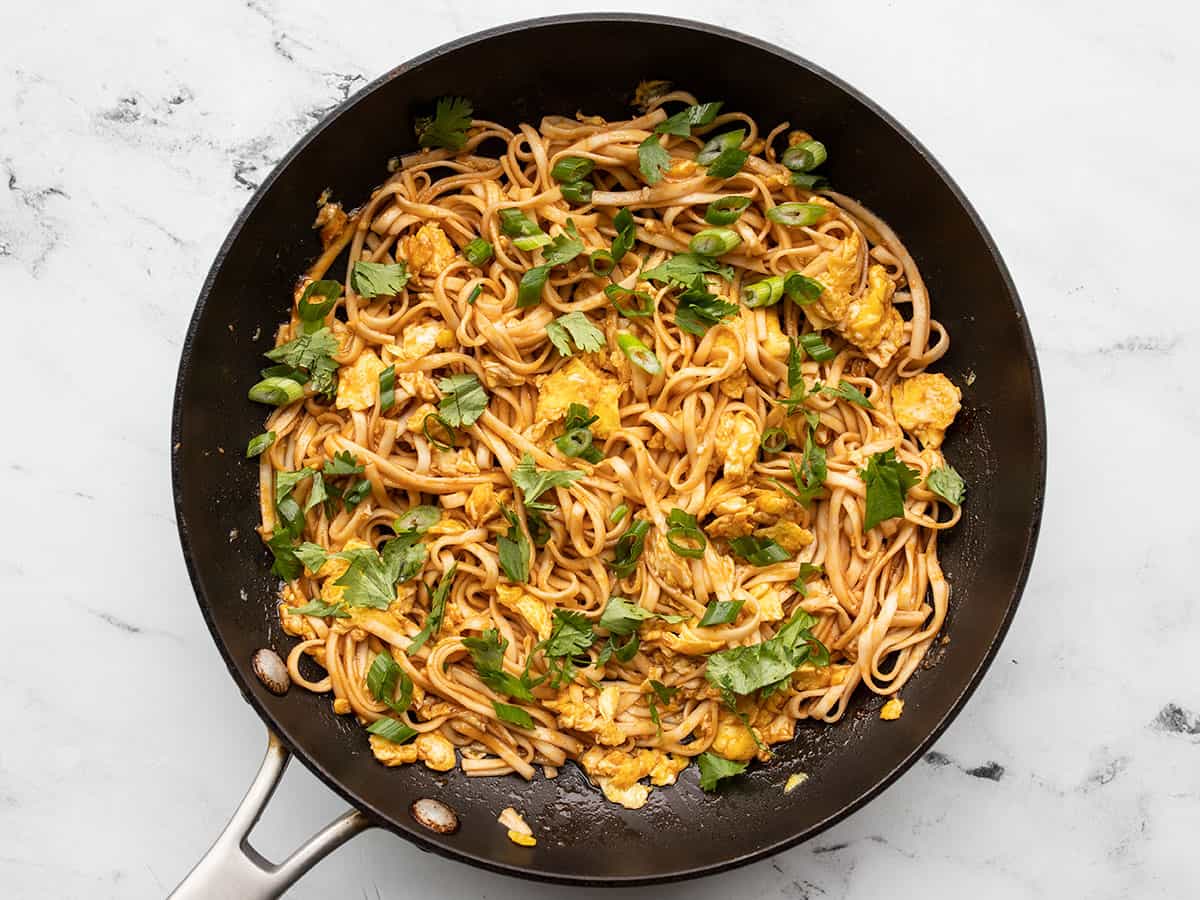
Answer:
(689, 643)
(733, 739)
(810, 678)
(840, 279)
(737, 442)
(524, 840)
(788, 535)
(428, 251)
(926, 405)
(666, 565)
(872, 322)
(794, 781)
(497, 374)
(619, 772)
(584, 709)
(770, 604)
(481, 503)
(728, 345)
(419, 340)
(580, 382)
(530, 608)
(432, 749)
(774, 342)
(358, 384)
(892, 710)
(740, 515)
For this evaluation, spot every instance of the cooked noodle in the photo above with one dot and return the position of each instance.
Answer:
(687, 438)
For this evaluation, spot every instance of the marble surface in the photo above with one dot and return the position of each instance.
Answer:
(132, 132)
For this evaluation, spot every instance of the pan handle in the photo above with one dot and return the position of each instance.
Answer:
(233, 868)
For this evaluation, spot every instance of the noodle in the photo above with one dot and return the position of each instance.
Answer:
(701, 446)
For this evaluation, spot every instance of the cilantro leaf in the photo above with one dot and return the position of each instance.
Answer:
(448, 126)
(888, 481)
(653, 159)
(312, 353)
(286, 565)
(320, 608)
(570, 637)
(579, 328)
(487, 652)
(437, 610)
(534, 482)
(807, 571)
(846, 391)
(622, 617)
(514, 549)
(564, 248)
(383, 676)
(743, 670)
(513, 715)
(810, 476)
(664, 693)
(681, 123)
(312, 555)
(355, 493)
(318, 493)
(947, 484)
(714, 769)
(392, 730)
(721, 612)
(464, 400)
(370, 279)
(699, 310)
(688, 270)
(285, 483)
(343, 463)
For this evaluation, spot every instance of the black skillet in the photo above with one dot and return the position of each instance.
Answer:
(518, 73)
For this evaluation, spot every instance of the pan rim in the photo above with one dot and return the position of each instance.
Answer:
(413, 833)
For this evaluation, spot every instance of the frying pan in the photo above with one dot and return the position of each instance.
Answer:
(518, 73)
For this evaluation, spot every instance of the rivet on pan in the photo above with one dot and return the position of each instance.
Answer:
(271, 671)
(434, 815)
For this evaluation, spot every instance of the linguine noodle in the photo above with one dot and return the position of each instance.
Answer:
(708, 435)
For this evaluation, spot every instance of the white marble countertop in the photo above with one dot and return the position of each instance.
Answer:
(130, 137)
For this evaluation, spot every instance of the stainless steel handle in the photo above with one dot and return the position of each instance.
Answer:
(232, 868)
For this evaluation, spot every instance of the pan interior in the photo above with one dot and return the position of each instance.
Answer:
(997, 445)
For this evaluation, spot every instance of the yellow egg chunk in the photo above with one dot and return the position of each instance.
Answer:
(733, 739)
(926, 405)
(428, 251)
(358, 384)
(580, 382)
(525, 840)
(788, 535)
(872, 321)
(531, 609)
(892, 710)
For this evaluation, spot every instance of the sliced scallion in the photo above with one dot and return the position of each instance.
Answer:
(630, 304)
(474, 295)
(447, 439)
(809, 181)
(814, 345)
(714, 241)
(276, 391)
(602, 262)
(615, 517)
(802, 289)
(529, 291)
(577, 191)
(773, 440)
(532, 241)
(639, 354)
(684, 536)
(572, 168)
(767, 292)
(387, 388)
(728, 164)
(478, 252)
(515, 223)
(726, 211)
(730, 140)
(804, 156)
(795, 215)
(259, 443)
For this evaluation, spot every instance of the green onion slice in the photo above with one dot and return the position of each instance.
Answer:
(602, 262)
(259, 443)
(639, 354)
(572, 168)
(276, 391)
(448, 440)
(767, 292)
(730, 140)
(629, 548)
(795, 214)
(529, 291)
(726, 211)
(624, 300)
(532, 241)
(809, 181)
(774, 440)
(387, 388)
(515, 223)
(802, 289)
(683, 527)
(626, 234)
(816, 347)
(577, 191)
(715, 241)
(618, 514)
(478, 252)
(804, 156)
(474, 295)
